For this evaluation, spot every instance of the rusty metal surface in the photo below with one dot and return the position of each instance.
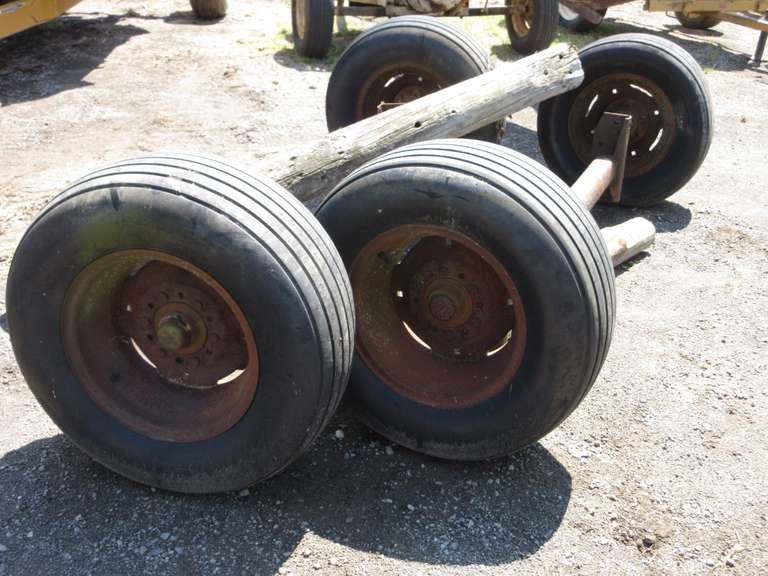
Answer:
(439, 319)
(612, 141)
(653, 119)
(521, 12)
(394, 86)
(160, 345)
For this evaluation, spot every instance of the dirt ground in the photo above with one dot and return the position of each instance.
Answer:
(663, 469)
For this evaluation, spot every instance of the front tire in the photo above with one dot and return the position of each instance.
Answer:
(467, 347)
(192, 327)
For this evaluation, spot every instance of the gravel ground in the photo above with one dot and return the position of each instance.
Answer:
(662, 469)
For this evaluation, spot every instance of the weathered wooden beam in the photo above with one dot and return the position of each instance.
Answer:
(311, 170)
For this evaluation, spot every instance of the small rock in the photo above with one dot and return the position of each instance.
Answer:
(317, 566)
(3, 548)
(30, 534)
(178, 549)
(244, 492)
(709, 563)
(305, 553)
(282, 571)
(410, 507)
(165, 535)
(333, 561)
(730, 562)
(649, 540)
(388, 451)
(339, 434)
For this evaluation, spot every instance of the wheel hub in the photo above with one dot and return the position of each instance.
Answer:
(439, 319)
(653, 119)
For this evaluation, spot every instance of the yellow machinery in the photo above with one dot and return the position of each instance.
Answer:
(18, 15)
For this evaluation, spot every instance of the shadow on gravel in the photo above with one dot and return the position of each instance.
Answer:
(62, 512)
(667, 216)
(57, 56)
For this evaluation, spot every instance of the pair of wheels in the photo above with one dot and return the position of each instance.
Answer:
(191, 326)
(531, 25)
(655, 81)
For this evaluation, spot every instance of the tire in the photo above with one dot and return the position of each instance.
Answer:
(209, 9)
(571, 20)
(312, 25)
(698, 20)
(514, 214)
(247, 239)
(423, 53)
(540, 26)
(659, 162)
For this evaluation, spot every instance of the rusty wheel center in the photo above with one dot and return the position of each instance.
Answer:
(522, 16)
(393, 87)
(160, 345)
(653, 119)
(439, 319)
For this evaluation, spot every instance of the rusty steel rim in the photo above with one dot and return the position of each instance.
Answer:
(439, 320)
(522, 17)
(393, 86)
(160, 345)
(653, 119)
(301, 18)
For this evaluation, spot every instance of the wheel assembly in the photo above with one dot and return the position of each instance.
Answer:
(466, 346)
(187, 304)
(312, 25)
(698, 20)
(531, 24)
(662, 89)
(209, 9)
(570, 19)
(398, 61)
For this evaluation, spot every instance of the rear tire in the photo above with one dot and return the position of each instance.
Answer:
(698, 20)
(312, 25)
(209, 9)
(667, 91)
(208, 226)
(402, 58)
(512, 214)
(536, 28)
(571, 20)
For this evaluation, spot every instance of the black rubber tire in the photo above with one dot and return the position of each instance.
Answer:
(524, 215)
(572, 21)
(209, 9)
(260, 244)
(448, 53)
(314, 40)
(543, 28)
(698, 20)
(677, 74)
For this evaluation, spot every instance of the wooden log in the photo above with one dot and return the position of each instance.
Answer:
(628, 239)
(311, 170)
(592, 183)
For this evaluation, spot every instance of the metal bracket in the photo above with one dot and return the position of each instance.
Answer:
(611, 140)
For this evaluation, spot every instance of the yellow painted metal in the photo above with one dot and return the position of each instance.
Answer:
(706, 5)
(18, 15)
